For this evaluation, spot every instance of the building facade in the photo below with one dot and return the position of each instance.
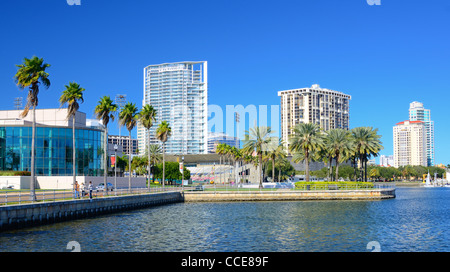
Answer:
(179, 93)
(386, 161)
(124, 143)
(53, 143)
(418, 113)
(409, 144)
(215, 138)
(327, 108)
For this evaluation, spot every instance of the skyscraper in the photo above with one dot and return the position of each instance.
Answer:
(409, 143)
(179, 93)
(418, 113)
(327, 108)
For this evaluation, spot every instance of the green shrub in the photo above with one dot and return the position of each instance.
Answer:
(341, 185)
(15, 173)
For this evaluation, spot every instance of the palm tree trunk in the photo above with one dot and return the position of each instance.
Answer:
(164, 165)
(73, 153)
(306, 166)
(129, 162)
(273, 170)
(337, 167)
(33, 172)
(149, 160)
(260, 171)
(105, 173)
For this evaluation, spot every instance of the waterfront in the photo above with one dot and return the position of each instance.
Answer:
(416, 220)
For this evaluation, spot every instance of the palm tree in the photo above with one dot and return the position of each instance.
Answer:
(128, 117)
(147, 116)
(104, 111)
(339, 144)
(258, 140)
(221, 150)
(275, 152)
(71, 95)
(163, 132)
(308, 140)
(366, 143)
(154, 155)
(32, 74)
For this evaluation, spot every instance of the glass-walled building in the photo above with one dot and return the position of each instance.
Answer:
(53, 144)
(179, 93)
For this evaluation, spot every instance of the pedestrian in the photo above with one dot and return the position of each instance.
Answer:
(76, 187)
(90, 190)
(82, 187)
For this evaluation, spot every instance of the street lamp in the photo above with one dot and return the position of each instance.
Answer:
(182, 173)
(115, 169)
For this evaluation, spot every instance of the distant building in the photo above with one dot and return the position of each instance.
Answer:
(418, 113)
(124, 144)
(387, 161)
(215, 138)
(179, 93)
(327, 108)
(409, 144)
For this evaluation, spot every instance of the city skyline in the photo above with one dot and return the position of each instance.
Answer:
(380, 55)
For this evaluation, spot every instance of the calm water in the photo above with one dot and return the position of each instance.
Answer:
(416, 220)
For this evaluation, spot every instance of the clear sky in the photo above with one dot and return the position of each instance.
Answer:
(384, 56)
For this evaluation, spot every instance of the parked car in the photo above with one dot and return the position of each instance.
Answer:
(101, 187)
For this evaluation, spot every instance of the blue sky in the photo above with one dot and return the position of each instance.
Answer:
(384, 56)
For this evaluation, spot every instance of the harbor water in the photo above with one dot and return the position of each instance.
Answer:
(417, 220)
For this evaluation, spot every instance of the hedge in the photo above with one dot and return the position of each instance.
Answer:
(15, 173)
(325, 185)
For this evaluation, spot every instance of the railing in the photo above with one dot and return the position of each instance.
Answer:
(42, 196)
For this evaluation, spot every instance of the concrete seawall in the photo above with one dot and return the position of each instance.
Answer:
(26, 215)
(289, 195)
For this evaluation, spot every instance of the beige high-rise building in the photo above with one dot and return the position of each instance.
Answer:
(327, 108)
(410, 143)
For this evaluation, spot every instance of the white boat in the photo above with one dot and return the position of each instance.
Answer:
(428, 182)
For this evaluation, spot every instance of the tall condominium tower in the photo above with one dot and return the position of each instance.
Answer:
(179, 93)
(418, 113)
(409, 144)
(327, 108)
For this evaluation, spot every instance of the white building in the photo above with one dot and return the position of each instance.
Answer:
(387, 161)
(409, 144)
(418, 113)
(327, 108)
(179, 93)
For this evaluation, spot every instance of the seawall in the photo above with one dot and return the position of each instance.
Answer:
(26, 215)
(289, 195)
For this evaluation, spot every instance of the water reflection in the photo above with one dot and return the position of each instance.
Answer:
(416, 220)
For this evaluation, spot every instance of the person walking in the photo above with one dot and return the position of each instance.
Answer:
(82, 187)
(90, 190)
(76, 187)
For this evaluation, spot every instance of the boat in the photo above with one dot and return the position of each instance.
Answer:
(428, 183)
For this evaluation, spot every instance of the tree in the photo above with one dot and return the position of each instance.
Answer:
(163, 132)
(366, 143)
(104, 111)
(71, 95)
(274, 153)
(147, 116)
(306, 139)
(31, 73)
(128, 117)
(154, 153)
(257, 141)
(339, 143)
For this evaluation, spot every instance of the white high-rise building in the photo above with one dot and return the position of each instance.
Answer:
(179, 93)
(409, 144)
(418, 113)
(327, 108)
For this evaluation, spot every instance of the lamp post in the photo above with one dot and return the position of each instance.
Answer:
(115, 169)
(182, 173)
